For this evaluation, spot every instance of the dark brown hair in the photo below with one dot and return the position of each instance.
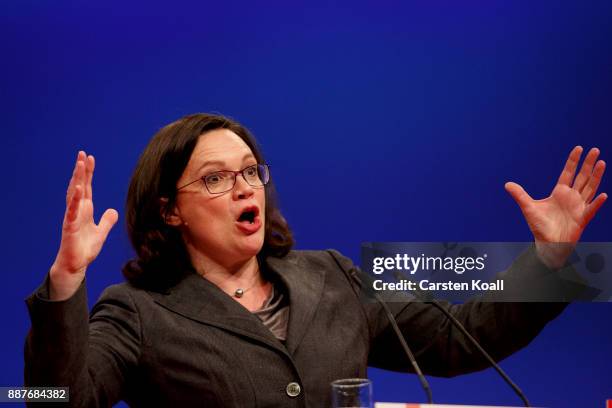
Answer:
(162, 259)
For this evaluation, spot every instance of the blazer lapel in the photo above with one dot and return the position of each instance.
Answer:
(304, 279)
(200, 300)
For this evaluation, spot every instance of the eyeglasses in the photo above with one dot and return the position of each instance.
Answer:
(256, 175)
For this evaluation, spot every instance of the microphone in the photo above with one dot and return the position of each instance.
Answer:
(472, 340)
(429, 300)
(453, 320)
(409, 354)
(398, 333)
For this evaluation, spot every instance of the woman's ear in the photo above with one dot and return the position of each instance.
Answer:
(170, 215)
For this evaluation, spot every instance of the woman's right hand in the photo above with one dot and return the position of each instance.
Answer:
(82, 239)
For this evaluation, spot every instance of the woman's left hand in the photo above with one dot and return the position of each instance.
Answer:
(563, 216)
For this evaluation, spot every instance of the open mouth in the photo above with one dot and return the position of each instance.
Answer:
(248, 215)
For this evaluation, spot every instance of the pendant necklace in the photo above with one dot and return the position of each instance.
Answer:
(238, 293)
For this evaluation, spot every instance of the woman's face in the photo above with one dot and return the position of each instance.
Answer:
(211, 224)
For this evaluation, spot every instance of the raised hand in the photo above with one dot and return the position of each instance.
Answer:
(82, 239)
(563, 216)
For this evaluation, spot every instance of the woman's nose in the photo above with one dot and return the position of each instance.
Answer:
(242, 189)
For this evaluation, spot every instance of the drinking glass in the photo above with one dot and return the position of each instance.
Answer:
(352, 393)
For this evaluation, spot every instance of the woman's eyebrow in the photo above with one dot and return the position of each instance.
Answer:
(211, 162)
(222, 163)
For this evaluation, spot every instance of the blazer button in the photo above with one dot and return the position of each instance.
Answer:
(293, 389)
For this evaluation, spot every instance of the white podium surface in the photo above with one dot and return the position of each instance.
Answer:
(405, 405)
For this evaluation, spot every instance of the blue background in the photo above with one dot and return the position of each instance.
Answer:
(386, 121)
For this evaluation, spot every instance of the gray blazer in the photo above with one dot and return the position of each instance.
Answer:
(195, 346)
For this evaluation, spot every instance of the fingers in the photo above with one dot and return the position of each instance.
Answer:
(108, 220)
(75, 190)
(567, 174)
(591, 188)
(73, 180)
(89, 169)
(586, 170)
(519, 194)
(79, 186)
(72, 210)
(592, 208)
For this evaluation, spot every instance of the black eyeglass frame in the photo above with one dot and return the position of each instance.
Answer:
(235, 174)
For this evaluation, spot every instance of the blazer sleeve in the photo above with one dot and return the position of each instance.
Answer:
(93, 356)
(502, 328)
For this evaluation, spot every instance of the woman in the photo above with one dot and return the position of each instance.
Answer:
(218, 311)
